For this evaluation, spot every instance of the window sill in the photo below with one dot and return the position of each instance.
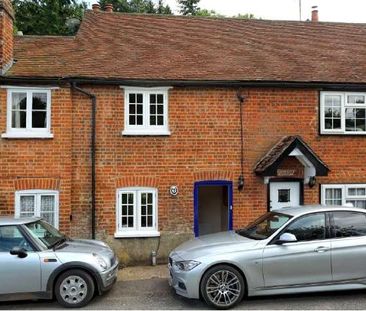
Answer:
(146, 133)
(343, 133)
(137, 234)
(26, 135)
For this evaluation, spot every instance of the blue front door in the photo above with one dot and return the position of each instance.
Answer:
(213, 206)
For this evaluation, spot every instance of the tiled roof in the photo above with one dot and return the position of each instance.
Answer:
(133, 46)
(270, 161)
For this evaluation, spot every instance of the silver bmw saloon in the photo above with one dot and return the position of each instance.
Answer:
(39, 262)
(289, 250)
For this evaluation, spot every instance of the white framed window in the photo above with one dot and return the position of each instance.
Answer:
(136, 212)
(343, 113)
(38, 203)
(342, 194)
(28, 113)
(146, 111)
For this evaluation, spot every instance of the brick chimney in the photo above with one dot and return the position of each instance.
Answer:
(6, 35)
(314, 14)
(96, 7)
(109, 8)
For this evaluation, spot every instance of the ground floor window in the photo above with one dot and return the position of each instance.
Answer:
(345, 193)
(39, 203)
(136, 212)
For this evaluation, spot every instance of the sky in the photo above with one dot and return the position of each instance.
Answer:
(329, 10)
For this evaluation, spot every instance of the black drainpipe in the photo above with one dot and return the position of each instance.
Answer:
(241, 99)
(93, 140)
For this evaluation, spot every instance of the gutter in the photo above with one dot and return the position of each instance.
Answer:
(93, 152)
(186, 83)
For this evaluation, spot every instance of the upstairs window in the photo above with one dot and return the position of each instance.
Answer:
(354, 194)
(28, 113)
(146, 111)
(343, 113)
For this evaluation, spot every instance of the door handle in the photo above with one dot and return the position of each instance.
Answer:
(321, 249)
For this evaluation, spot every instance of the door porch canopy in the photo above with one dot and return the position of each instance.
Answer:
(291, 146)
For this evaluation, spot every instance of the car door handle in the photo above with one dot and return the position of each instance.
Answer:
(321, 249)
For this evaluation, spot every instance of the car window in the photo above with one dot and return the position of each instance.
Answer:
(11, 237)
(264, 226)
(348, 224)
(308, 228)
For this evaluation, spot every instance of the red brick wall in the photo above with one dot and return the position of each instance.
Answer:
(204, 144)
(38, 163)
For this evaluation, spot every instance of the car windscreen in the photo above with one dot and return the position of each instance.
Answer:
(264, 226)
(48, 235)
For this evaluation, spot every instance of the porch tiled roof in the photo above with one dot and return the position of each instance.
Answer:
(269, 162)
(137, 46)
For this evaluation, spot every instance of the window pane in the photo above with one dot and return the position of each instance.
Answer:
(355, 119)
(11, 237)
(127, 210)
(19, 101)
(39, 119)
(27, 205)
(146, 209)
(332, 111)
(358, 203)
(347, 224)
(156, 109)
(19, 110)
(333, 196)
(135, 109)
(39, 101)
(132, 98)
(284, 195)
(47, 203)
(160, 99)
(139, 98)
(307, 228)
(19, 119)
(356, 99)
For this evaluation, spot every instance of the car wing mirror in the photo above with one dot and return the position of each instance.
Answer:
(286, 238)
(18, 251)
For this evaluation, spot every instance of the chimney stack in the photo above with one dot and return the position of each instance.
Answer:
(6, 35)
(109, 8)
(314, 14)
(96, 7)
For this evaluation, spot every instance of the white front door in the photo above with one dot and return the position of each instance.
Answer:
(284, 194)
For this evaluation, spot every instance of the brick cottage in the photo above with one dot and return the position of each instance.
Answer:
(145, 130)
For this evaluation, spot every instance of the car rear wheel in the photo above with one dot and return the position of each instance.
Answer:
(222, 287)
(74, 289)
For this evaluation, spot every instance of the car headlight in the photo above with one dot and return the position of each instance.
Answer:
(186, 265)
(101, 262)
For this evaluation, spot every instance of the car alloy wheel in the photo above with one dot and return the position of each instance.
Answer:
(222, 287)
(74, 288)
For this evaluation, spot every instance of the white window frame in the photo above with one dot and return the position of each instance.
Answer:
(28, 132)
(344, 189)
(136, 230)
(37, 208)
(146, 129)
(344, 105)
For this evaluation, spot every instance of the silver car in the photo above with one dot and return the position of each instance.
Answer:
(291, 250)
(38, 262)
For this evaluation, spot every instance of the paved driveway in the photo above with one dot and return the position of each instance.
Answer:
(155, 293)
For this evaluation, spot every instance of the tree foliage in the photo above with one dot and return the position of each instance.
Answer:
(189, 7)
(137, 6)
(48, 17)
